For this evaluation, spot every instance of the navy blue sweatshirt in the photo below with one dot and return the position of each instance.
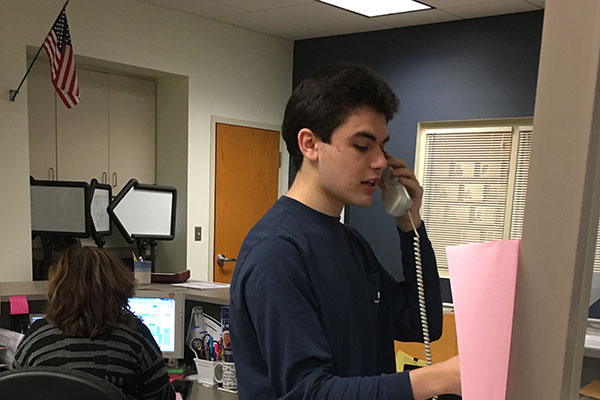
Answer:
(314, 314)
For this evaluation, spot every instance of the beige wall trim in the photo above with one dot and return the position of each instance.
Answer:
(561, 213)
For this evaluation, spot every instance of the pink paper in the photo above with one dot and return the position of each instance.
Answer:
(483, 277)
(18, 305)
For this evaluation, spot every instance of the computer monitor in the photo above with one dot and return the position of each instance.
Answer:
(60, 208)
(143, 211)
(162, 312)
(35, 316)
(101, 195)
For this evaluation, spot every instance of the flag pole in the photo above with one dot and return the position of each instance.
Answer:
(13, 93)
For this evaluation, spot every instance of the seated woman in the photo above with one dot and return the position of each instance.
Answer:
(89, 327)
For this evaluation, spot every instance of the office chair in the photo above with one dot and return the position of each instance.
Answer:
(46, 383)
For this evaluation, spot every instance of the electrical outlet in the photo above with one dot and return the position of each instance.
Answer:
(198, 233)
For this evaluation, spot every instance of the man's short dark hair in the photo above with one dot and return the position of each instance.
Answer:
(324, 100)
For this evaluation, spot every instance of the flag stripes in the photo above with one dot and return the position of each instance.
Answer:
(62, 64)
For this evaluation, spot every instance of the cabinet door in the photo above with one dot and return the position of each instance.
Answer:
(82, 131)
(132, 130)
(42, 130)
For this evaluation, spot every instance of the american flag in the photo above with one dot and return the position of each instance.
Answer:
(62, 65)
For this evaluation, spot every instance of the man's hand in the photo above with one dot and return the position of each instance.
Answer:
(436, 379)
(406, 177)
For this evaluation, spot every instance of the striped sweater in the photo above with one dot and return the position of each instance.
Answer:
(129, 358)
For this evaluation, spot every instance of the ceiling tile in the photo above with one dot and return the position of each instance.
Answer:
(491, 8)
(262, 23)
(205, 8)
(334, 30)
(451, 3)
(259, 5)
(416, 18)
(314, 15)
(325, 20)
(301, 19)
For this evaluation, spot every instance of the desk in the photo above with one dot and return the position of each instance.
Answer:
(591, 360)
(201, 392)
(34, 290)
(592, 338)
(37, 290)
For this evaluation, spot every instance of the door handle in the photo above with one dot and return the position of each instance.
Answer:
(221, 259)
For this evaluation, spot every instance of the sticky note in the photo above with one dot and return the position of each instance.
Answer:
(483, 278)
(18, 305)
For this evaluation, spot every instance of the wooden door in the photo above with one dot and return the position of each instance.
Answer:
(246, 180)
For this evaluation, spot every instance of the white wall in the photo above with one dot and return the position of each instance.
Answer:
(233, 72)
(172, 164)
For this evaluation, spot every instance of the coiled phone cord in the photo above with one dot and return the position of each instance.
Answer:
(421, 292)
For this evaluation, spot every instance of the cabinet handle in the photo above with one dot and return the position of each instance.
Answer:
(104, 177)
(114, 179)
(51, 174)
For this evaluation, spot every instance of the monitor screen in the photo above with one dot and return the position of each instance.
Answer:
(34, 317)
(101, 196)
(145, 211)
(162, 313)
(60, 208)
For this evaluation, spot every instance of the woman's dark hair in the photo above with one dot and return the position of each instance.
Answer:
(324, 100)
(88, 292)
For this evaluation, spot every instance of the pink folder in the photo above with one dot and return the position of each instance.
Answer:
(483, 277)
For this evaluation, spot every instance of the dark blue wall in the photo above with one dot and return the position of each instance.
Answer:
(468, 69)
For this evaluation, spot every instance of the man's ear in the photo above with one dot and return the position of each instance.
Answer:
(308, 144)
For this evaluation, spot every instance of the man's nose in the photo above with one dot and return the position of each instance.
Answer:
(379, 162)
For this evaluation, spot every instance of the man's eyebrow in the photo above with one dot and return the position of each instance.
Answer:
(370, 136)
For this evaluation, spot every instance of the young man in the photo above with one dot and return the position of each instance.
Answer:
(313, 313)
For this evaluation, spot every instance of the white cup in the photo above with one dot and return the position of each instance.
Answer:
(209, 372)
(228, 377)
(142, 271)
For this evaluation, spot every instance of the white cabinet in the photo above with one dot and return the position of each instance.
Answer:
(82, 131)
(110, 135)
(42, 123)
(132, 127)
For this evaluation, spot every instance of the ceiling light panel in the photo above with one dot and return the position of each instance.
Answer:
(374, 8)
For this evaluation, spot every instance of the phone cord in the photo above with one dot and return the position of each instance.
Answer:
(421, 292)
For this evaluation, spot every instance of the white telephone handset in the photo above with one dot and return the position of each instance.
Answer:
(395, 198)
(396, 202)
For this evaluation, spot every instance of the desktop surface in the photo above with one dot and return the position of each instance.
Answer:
(199, 391)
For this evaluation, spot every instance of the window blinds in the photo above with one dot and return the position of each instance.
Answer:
(520, 190)
(465, 185)
(475, 183)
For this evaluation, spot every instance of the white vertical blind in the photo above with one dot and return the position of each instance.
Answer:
(597, 252)
(465, 175)
(520, 189)
(465, 184)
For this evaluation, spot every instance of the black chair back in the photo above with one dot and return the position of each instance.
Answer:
(49, 383)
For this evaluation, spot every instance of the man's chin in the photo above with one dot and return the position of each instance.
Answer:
(363, 202)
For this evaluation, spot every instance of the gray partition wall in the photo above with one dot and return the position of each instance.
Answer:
(561, 211)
